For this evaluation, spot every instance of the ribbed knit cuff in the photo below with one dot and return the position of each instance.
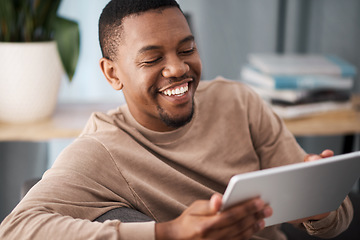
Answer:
(137, 231)
(323, 225)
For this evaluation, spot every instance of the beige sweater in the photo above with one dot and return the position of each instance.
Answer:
(117, 162)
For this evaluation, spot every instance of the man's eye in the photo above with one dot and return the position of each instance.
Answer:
(189, 51)
(152, 61)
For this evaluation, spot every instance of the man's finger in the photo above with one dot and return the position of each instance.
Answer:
(327, 153)
(232, 226)
(312, 157)
(252, 209)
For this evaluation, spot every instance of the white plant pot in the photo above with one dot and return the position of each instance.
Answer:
(30, 75)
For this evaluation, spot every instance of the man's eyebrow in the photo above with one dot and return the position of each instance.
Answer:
(155, 47)
(148, 48)
(189, 38)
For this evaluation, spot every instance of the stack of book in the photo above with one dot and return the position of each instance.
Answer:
(299, 85)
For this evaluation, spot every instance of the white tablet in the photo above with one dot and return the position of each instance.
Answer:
(298, 190)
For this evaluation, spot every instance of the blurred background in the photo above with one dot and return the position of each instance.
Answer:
(226, 32)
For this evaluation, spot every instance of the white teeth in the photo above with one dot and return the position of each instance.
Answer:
(177, 91)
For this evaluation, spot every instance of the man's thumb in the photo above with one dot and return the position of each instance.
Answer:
(215, 202)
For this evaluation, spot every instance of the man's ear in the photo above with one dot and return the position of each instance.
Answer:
(110, 72)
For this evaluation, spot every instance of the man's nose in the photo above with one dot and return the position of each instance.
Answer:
(175, 67)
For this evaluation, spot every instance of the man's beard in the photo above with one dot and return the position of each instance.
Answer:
(175, 122)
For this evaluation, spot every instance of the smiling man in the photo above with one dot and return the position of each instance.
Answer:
(169, 152)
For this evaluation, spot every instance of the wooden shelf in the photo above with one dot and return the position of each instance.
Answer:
(343, 122)
(69, 120)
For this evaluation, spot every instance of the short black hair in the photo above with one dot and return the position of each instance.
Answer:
(111, 18)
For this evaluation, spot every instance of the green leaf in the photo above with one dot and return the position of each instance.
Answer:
(7, 20)
(45, 14)
(67, 36)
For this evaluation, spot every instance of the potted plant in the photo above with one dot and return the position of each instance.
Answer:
(36, 46)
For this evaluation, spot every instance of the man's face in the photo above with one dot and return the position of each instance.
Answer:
(159, 68)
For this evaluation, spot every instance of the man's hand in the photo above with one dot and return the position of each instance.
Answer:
(202, 220)
(309, 158)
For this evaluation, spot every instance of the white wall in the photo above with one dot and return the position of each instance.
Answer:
(88, 84)
(226, 31)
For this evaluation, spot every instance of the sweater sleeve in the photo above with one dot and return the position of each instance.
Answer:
(84, 183)
(334, 224)
(42, 224)
(273, 142)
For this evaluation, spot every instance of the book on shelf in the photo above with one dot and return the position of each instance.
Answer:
(253, 75)
(300, 64)
(300, 85)
(300, 96)
(308, 109)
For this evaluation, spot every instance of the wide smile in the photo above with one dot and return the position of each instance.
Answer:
(177, 91)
